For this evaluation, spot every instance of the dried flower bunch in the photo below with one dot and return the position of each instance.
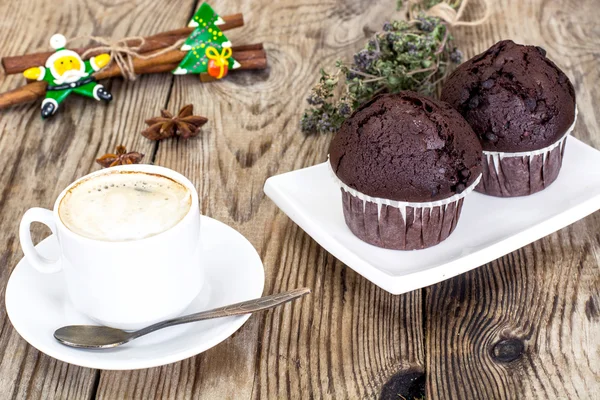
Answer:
(185, 124)
(121, 157)
(405, 55)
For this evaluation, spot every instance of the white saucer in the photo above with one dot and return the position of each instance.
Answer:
(37, 305)
(489, 227)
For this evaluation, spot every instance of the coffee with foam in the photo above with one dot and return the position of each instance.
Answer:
(122, 206)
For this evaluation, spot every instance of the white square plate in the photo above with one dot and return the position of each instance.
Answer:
(489, 227)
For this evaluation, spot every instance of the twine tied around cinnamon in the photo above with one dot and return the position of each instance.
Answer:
(122, 51)
(448, 11)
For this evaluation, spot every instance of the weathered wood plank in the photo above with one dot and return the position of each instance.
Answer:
(348, 337)
(39, 158)
(527, 326)
(524, 326)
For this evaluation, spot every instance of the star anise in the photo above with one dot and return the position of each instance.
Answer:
(122, 157)
(184, 124)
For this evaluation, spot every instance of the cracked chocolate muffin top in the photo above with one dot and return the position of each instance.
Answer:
(513, 96)
(406, 147)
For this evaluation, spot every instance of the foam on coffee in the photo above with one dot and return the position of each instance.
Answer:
(122, 206)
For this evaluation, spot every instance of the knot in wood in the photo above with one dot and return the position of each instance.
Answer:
(507, 350)
(409, 384)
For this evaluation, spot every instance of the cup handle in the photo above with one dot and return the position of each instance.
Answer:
(34, 258)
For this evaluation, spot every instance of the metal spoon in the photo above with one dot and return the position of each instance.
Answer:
(103, 337)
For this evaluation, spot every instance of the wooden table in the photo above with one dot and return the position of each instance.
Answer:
(524, 326)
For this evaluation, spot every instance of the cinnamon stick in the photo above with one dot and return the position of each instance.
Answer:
(23, 94)
(175, 56)
(246, 47)
(249, 59)
(17, 64)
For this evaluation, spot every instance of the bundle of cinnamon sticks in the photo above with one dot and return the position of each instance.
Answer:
(252, 56)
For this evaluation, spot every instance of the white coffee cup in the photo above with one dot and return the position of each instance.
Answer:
(124, 284)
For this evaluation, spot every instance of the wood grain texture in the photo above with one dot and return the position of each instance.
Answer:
(524, 326)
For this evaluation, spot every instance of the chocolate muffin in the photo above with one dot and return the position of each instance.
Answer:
(520, 105)
(404, 163)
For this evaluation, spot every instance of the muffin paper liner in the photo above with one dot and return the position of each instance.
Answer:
(400, 225)
(524, 173)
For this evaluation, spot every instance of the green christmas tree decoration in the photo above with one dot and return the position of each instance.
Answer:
(209, 50)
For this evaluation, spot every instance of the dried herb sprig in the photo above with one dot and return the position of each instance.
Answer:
(405, 55)
(328, 109)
